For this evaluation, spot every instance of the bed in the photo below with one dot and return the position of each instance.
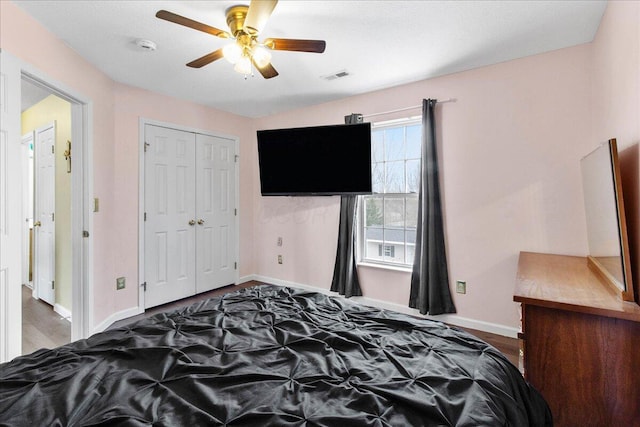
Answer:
(271, 356)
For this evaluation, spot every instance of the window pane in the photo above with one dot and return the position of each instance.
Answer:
(394, 177)
(377, 145)
(414, 141)
(411, 247)
(373, 211)
(413, 176)
(412, 212)
(373, 243)
(377, 177)
(394, 144)
(394, 212)
(393, 245)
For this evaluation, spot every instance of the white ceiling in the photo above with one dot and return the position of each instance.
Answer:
(379, 43)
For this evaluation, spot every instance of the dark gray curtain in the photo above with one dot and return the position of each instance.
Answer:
(345, 274)
(430, 291)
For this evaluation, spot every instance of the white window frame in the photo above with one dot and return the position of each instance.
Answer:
(362, 260)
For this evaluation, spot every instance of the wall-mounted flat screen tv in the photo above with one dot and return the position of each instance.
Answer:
(315, 161)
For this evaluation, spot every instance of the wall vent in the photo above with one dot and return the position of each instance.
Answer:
(337, 75)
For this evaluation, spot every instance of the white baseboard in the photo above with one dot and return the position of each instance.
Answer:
(62, 311)
(114, 318)
(452, 319)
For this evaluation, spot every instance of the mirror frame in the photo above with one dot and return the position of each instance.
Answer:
(627, 292)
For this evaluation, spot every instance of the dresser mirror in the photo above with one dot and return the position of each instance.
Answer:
(606, 225)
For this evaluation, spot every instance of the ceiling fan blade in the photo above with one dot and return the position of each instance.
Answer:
(258, 14)
(181, 20)
(267, 71)
(316, 46)
(205, 60)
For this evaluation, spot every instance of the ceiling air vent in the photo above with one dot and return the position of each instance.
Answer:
(336, 75)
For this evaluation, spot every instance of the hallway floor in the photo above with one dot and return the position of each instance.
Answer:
(41, 326)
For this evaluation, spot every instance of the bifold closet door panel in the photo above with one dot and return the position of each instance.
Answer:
(215, 211)
(170, 226)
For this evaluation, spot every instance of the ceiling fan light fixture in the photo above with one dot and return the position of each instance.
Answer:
(245, 52)
(261, 56)
(243, 66)
(232, 52)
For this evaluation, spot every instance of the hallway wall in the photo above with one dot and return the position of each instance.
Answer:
(54, 109)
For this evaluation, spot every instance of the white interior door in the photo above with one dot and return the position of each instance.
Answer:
(10, 218)
(27, 203)
(170, 225)
(44, 215)
(215, 209)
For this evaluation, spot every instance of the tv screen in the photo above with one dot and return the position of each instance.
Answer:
(320, 160)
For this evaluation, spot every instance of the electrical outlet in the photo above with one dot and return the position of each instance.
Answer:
(279, 259)
(120, 283)
(461, 287)
(279, 241)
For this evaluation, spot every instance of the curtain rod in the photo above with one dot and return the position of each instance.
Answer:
(407, 108)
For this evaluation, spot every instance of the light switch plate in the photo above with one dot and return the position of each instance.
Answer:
(461, 287)
(120, 283)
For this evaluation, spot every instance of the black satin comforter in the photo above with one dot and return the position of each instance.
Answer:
(271, 356)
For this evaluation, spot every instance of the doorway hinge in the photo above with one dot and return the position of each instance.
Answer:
(85, 233)
(235, 265)
(53, 217)
(145, 216)
(53, 149)
(146, 144)
(144, 286)
(235, 212)
(236, 158)
(53, 284)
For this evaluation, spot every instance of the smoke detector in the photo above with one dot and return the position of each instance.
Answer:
(145, 44)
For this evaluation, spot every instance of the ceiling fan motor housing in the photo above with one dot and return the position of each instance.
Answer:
(235, 19)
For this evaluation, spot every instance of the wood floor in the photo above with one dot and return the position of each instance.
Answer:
(42, 327)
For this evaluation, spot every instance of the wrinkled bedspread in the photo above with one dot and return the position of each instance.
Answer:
(271, 355)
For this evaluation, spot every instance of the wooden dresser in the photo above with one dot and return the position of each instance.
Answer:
(581, 342)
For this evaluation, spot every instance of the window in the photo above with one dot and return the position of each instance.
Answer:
(387, 232)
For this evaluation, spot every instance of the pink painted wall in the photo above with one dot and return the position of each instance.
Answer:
(131, 104)
(116, 109)
(511, 146)
(616, 105)
(26, 39)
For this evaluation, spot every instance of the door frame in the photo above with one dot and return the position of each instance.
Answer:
(141, 188)
(81, 199)
(15, 70)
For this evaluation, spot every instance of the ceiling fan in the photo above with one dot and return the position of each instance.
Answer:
(245, 24)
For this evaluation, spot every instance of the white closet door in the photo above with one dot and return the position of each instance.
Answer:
(170, 227)
(10, 218)
(45, 206)
(215, 210)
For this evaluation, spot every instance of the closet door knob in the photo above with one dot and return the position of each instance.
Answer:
(192, 222)
(201, 221)
(37, 224)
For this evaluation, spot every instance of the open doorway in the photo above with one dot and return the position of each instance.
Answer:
(13, 71)
(46, 191)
